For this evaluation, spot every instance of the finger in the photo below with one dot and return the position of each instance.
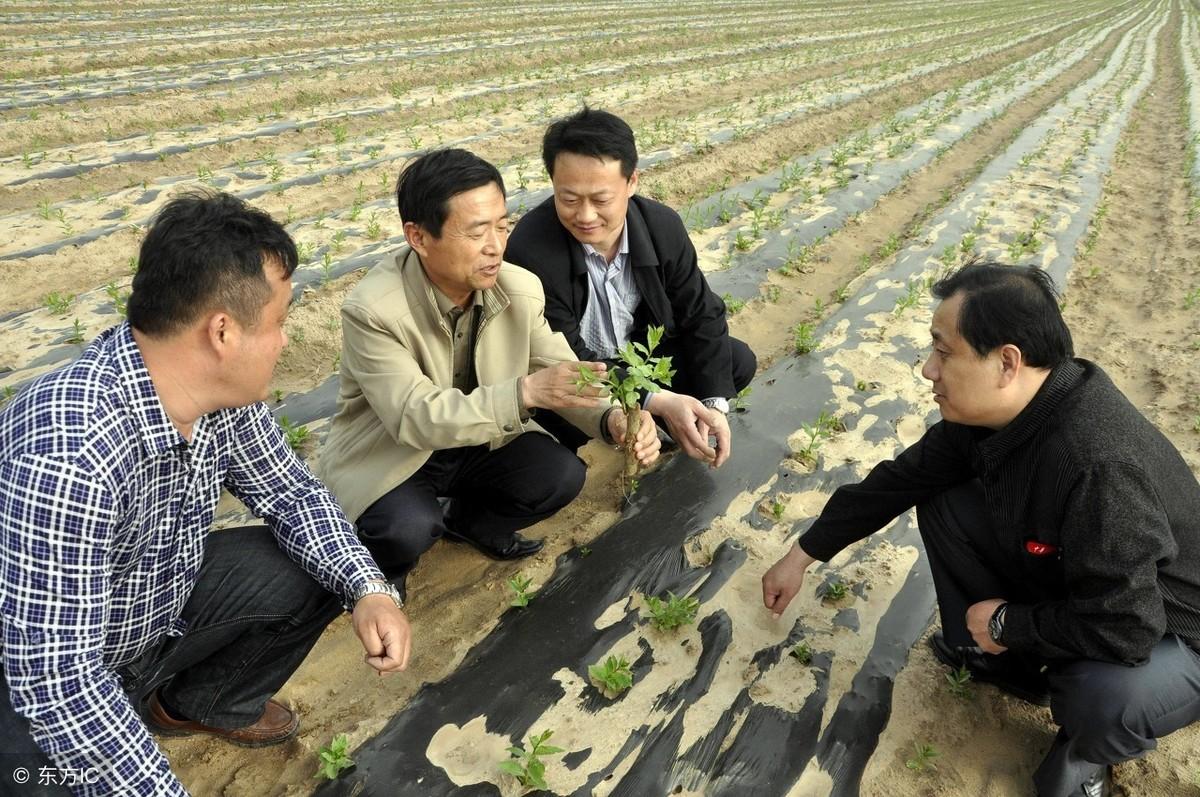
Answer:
(689, 439)
(724, 445)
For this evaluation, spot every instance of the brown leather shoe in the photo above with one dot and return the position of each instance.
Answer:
(278, 723)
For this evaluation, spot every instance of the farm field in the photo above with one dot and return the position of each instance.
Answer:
(830, 160)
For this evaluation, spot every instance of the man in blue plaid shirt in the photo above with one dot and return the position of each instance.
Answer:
(118, 608)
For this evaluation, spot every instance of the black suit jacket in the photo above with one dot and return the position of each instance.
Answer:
(674, 292)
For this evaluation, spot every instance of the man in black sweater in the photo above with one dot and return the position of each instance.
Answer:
(1062, 529)
(614, 264)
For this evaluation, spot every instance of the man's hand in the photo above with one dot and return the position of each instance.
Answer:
(691, 423)
(646, 447)
(978, 616)
(554, 388)
(383, 630)
(781, 583)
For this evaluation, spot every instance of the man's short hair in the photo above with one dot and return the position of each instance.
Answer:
(1009, 304)
(426, 185)
(598, 134)
(205, 252)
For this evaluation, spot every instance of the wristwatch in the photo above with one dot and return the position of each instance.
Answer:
(718, 403)
(375, 588)
(996, 624)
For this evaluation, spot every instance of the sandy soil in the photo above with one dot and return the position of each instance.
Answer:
(1125, 303)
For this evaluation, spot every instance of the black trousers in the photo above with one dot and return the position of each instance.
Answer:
(252, 617)
(493, 494)
(1107, 713)
(745, 363)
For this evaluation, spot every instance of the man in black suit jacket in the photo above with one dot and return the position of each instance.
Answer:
(613, 264)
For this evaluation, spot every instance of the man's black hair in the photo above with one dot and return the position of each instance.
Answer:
(598, 134)
(426, 185)
(1009, 304)
(205, 251)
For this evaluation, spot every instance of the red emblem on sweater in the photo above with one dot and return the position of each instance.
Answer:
(1038, 548)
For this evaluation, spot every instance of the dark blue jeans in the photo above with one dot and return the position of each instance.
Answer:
(1107, 713)
(251, 619)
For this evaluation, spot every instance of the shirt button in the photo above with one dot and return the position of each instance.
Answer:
(508, 427)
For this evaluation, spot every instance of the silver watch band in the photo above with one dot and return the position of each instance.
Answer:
(376, 588)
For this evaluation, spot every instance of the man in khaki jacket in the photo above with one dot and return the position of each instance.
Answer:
(446, 358)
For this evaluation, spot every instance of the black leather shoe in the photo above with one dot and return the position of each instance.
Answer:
(517, 548)
(1000, 671)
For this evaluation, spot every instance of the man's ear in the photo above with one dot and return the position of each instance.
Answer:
(1011, 362)
(633, 182)
(417, 237)
(221, 334)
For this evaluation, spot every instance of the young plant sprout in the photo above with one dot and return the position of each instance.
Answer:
(802, 653)
(739, 402)
(334, 758)
(525, 764)
(669, 614)
(520, 585)
(923, 759)
(835, 591)
(959, 681)
(803, 338)
(612, 677)
(641, 372)
(296, 435)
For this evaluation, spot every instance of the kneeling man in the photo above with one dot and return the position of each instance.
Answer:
(446, 359)
(613, 264)
(115, 598)
(1062, 529)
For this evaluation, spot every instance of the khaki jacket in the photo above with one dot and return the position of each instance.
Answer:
(397, 404)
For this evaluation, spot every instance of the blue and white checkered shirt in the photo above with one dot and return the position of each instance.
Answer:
(104, 508)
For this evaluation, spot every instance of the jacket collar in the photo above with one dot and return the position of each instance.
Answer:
(1058, 385)
(419, 290)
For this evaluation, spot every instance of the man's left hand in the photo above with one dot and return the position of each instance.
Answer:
(384, 632)
(647, 444)
(978, 617)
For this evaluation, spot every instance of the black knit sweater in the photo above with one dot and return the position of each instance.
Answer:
(1082, 470)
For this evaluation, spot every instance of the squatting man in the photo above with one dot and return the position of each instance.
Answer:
(1062, 529)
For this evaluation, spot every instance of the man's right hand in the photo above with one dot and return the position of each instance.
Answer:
(554, 388)
(781, 583)
(690, 424)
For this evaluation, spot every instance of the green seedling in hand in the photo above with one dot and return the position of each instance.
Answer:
(334, 758)
(641, 372)
(526, 765)
(669, 614)
(520, 585)
(612, 677)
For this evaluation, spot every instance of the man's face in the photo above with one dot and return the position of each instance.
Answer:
(591, 196)
(466, 257)
(966, 386)
(259, 344)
